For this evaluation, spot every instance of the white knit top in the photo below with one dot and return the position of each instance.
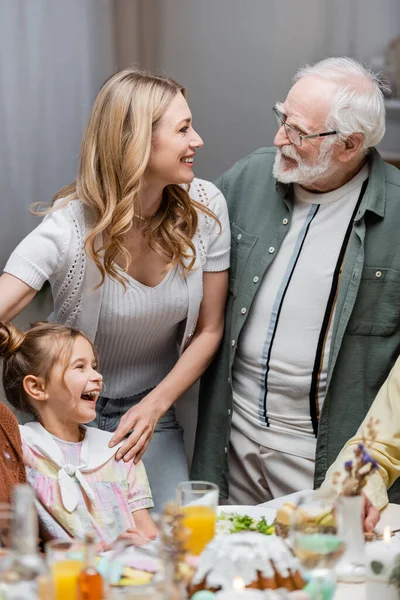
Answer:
(55, 251)
(137, 332)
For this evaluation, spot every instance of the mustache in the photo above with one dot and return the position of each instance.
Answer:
(289, 152)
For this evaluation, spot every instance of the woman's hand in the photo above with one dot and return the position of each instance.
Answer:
(142, 420)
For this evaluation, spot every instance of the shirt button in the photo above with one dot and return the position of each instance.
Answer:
(239, 237)
(233, 343)
(229, 412)
(271, 249)
(243, 310)
(378, 274)
(255, 279)
(285, 221)
(229, 379)
(226, 449)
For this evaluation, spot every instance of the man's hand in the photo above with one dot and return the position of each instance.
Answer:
(371, 515)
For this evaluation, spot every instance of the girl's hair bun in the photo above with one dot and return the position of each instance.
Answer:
(11, 339)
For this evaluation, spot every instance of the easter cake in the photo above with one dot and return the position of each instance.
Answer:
(263, 562)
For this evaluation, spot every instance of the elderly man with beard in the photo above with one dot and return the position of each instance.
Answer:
(313, 315)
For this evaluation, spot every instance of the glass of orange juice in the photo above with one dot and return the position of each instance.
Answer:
(65, 560)
(198, 501)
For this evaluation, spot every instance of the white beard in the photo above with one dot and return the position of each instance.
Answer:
(304, 174)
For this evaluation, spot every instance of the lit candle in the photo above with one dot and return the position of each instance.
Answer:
(239, 592)
(380, 562)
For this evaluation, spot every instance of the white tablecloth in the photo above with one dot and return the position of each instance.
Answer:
(352, 591)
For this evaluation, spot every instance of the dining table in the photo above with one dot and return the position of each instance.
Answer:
(390, 515)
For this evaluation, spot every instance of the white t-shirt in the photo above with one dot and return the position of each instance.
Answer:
(280, 369)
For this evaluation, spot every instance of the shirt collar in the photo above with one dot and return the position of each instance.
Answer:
(95, 451)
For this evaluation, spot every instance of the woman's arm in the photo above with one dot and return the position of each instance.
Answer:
(14, 296)
(385, 449)
(37, 258)
(191, 365)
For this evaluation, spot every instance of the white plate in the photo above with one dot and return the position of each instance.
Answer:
(255, 512)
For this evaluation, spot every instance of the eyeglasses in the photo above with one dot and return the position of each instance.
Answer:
(293, 135)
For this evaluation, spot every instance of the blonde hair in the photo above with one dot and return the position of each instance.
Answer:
(114, 156)
(33, 353)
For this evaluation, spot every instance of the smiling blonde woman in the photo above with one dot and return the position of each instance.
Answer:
(136, 253)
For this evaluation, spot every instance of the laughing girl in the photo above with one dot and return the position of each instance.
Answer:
(51, 371)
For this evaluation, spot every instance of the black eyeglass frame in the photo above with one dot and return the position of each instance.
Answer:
(289, 128)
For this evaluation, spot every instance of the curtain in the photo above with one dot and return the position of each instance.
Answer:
(54, 56)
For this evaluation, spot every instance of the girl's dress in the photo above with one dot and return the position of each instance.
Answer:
(80, 486)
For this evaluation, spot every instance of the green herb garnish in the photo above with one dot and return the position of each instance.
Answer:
(263, 527)
(246, 523)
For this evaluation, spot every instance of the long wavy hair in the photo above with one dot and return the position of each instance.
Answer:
(114, 155)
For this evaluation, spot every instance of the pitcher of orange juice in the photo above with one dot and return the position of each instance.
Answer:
(198, 501)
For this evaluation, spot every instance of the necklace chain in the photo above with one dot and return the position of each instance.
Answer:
(140, 218)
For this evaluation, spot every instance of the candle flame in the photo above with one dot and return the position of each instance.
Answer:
(387, 534)
(238, 584)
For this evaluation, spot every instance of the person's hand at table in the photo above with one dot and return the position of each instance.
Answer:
(133, 537)
(371, 515)
(141, 420)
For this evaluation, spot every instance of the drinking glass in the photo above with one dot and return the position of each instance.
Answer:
(198, 501)
(66, 561)
(6, 516)
(122, 562)
(314, 538)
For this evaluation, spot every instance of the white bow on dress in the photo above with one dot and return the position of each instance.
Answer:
(95, 453)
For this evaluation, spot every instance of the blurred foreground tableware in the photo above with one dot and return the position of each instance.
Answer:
(203, 595)
(66, 561)
(6, 515)
(137, 592)
(349, 511)
(135, 572)
(90, 581)
(198, 500)
(23, 573)
(321, 589)
(381, 558)
(314, 544)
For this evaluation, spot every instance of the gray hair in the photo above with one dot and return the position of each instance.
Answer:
(358, 105)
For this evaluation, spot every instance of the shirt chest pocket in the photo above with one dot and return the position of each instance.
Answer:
(377, 308)
(242, 245)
